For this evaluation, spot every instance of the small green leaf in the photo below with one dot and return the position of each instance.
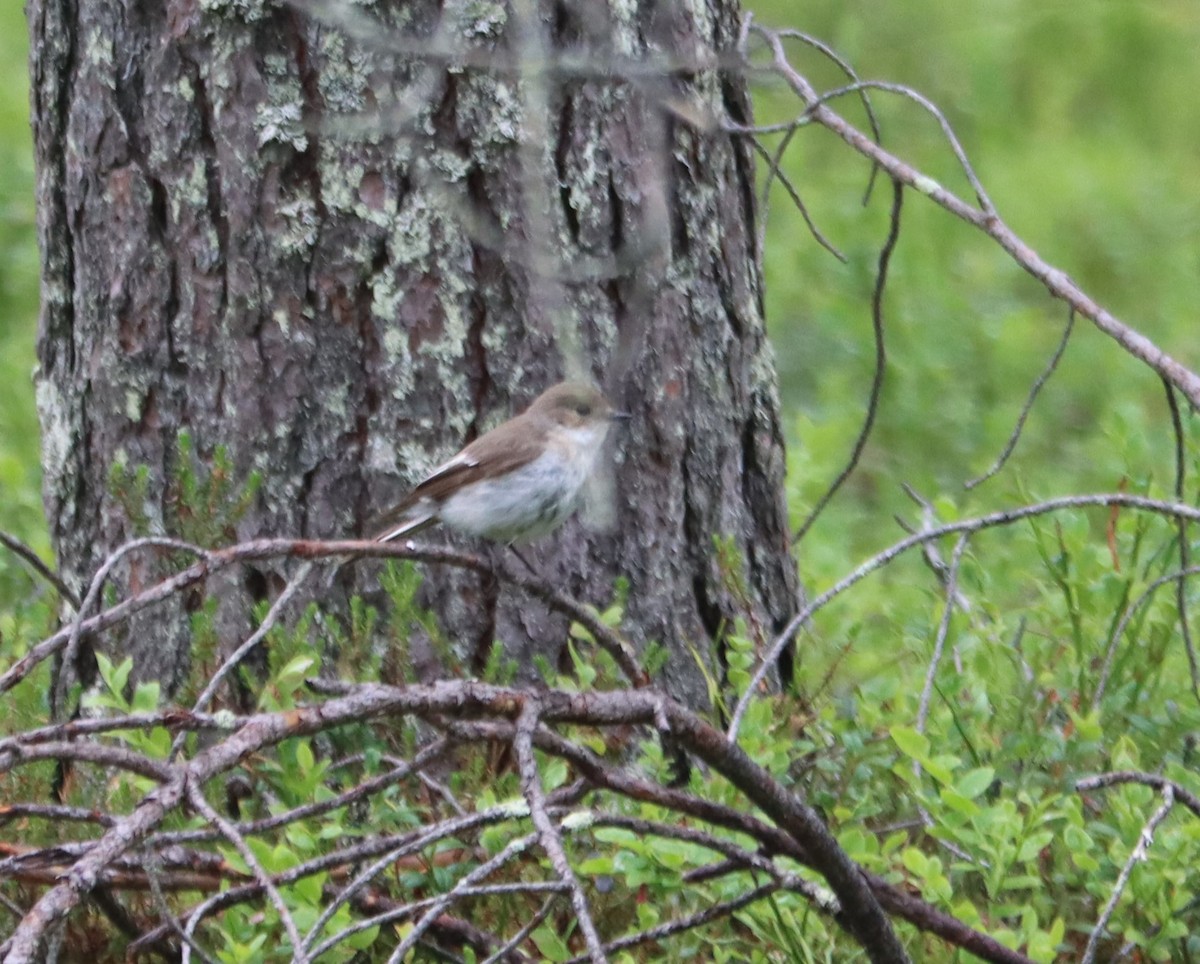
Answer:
(957, 802)
(552, 946)
(975, 782)
(911, 743)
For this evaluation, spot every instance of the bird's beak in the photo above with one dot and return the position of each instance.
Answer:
(619, 416)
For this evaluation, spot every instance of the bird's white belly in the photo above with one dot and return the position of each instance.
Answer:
(526, 503)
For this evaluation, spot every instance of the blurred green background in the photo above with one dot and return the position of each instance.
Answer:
(20, 499)
(1083, 122)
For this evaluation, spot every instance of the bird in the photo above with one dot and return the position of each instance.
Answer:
(521, 480)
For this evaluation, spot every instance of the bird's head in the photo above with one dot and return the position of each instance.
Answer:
(576, 405)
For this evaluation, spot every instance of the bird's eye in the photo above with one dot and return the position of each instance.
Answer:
(584, 409)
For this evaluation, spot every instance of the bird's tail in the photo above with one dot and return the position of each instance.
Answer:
(406, 527)
(409, 517)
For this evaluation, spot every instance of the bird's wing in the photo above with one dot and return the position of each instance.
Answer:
(501, 450)
(452, 468)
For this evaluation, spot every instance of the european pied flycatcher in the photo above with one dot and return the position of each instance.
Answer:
(519, 481)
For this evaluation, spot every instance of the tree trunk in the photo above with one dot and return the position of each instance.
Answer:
(342, 249)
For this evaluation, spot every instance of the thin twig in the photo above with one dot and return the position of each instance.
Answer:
(691, 922)
(775, 172)
(1014, 437)
(234, 659)
(400, 771)
(1160, 783)
(397, 911)
(513, 849)
(59, 692)
(258, 550)
(1180, 576)
(823, 48)
(1056, 281)
(508, 948)
(1184, 548)
(860, 443)
(15, 545)
(150, 860)
(942, 631)
(930, 552)
(230, 832)
(819, 100)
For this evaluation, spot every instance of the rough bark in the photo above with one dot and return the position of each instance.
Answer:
(340, 262)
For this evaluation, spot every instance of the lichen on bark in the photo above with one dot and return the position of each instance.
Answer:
(342, 260)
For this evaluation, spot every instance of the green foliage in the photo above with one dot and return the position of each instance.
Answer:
(1093, 161)
(401, 581)
(207, 496)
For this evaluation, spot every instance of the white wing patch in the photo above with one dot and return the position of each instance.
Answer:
(460, 461)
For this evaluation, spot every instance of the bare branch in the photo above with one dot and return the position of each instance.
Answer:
(262, 549)
(860, 443)
(1160, 783)
(548, 835)
(1138, 854)
(939, 644)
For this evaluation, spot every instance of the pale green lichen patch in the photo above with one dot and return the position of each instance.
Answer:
(283, 320)
(58, 432)
(281, 123)
(395, 346)
(299, 217)
(193, 190)
(96, 48)
(447, 348)
(280, 119)
(623, 18)
(411, 241)
(413, 461)
(133, 405)
(347, 185)
(926, 185)
(248, 11)
(345, 74)
(451, 165)
(482, 19)
(381, 454)
(506, 104)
